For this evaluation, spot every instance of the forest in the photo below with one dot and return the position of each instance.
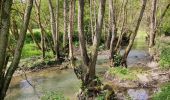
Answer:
(84, 49)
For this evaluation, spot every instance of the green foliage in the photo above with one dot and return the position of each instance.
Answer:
(101, 97)
(165, 58)
(163, 46)
(53, 96)
(123, 73)
(29, 50)
(164, 94)
(117, 60)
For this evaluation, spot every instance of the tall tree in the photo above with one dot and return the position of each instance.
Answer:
(153, 25)
(89, 63)
(113, 28)
(38, 7)
(71, 30)
(6, 77)
(65, 24)
(54, 29)
(132, 37)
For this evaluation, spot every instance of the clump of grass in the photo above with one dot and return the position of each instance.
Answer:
(165, 58)
(30, 50)
(164, 94)
(54, 96)
(164, 48)
(123, 73)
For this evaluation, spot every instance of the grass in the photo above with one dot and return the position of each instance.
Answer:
(54, 96)
(164, 94)
(30, 50)
(123, 73)
(163, 47)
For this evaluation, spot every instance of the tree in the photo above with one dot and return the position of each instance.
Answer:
(71, 30)
(132, 37)
(113, 29)
(153, 25)
(54, 28)
(65, 24)
(88, 68)
(38, 6)
(5, 17)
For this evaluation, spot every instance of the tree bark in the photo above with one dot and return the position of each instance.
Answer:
(81, 33)
(65, 25)
(132, 38)
(153, 25)
(57, 31)
(18, 50)
(5, 9)
(38, 6)
(91, 19)
(53, 28)
(113, 29)
(118, 44)
(97, 37)
(71, 30)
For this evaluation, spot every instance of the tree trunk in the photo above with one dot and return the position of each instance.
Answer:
(38, 6)
(132, 38)
(88, 68)
(153, 25)
(71, 30)
(109, 35)
(91, 18)
(33, 38)
(57, 31)
(5, 9)
(162, 15)
(65, 25)
(113, 30)
(53, 27)
(118, 44)
(18, 50)
(82, 41)
(97, 37)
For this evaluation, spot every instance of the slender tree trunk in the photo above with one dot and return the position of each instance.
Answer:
(109, 35)
(88, 68)
(91, 18)
(33, 38)
(82, 41)
(71, 30)
(163, 15)
(18, 50)
(113, 30)
(53, 28)
(118, 45)
(57, 31)
(153, 25)
(38, 6)
(65, 25)
(97, 37)
(132, 38)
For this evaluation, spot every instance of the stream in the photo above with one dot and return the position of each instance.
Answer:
(65, 81)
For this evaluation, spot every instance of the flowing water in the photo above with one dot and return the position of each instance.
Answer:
(65, 81)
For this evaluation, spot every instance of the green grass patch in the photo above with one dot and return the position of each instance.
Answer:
(164, 94)
(29, 50)
(164, 49)
(54, 96)
(123, 73)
